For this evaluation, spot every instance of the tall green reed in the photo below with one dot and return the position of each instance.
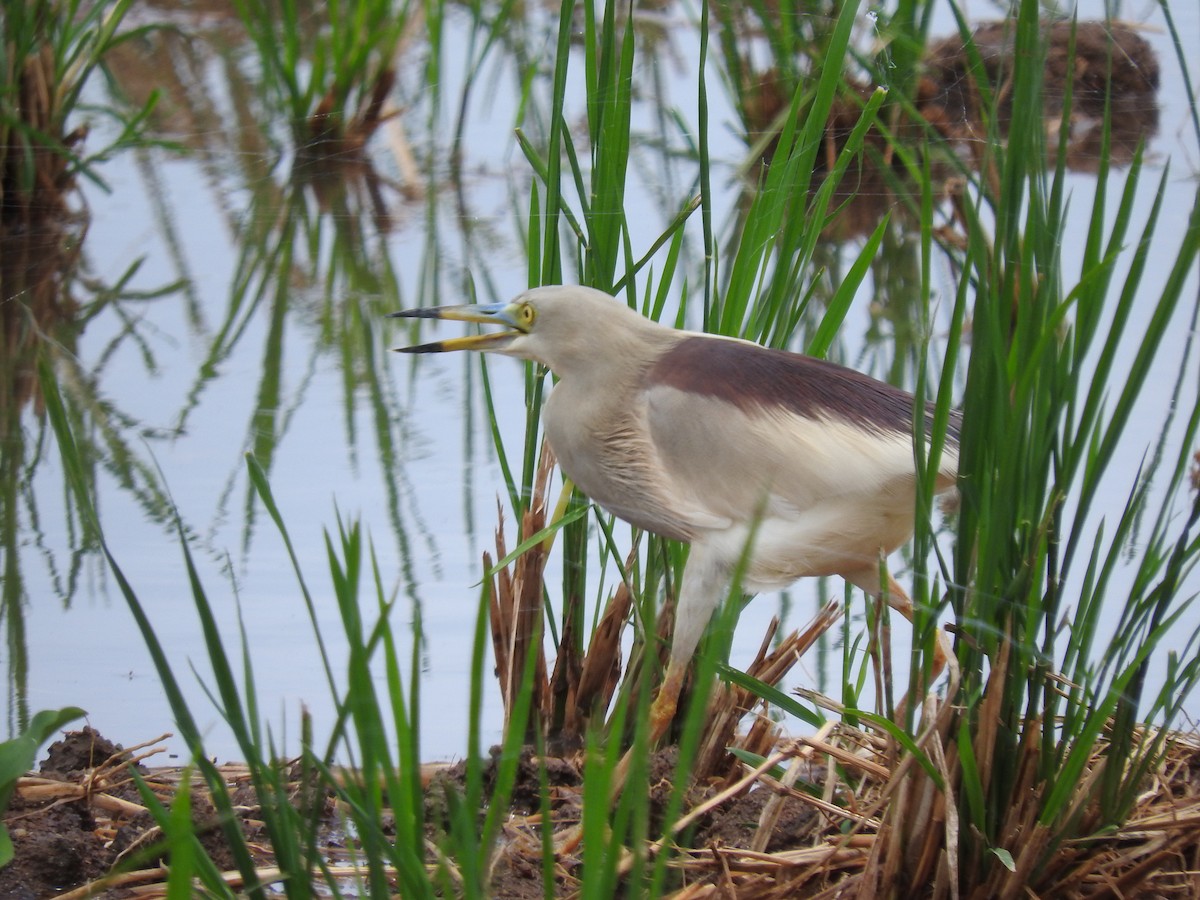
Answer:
(1054, 379)
(1045, 405)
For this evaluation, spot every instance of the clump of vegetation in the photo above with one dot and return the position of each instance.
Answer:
(49, 49)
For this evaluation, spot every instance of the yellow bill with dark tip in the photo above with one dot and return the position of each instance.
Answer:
(490, 314)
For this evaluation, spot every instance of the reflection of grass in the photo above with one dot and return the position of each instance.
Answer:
(48, 53)
(312, 250)
(1005, 785)
(40, 340)
(331, 74)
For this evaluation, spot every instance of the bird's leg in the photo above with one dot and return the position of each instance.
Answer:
(662, 713)
(701, 591)
(667, 700)
(897, 599)
(705, 584)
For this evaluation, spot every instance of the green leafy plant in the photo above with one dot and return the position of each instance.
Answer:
(48, 51)
(1049, 396)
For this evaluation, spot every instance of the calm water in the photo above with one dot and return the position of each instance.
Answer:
(248, 350)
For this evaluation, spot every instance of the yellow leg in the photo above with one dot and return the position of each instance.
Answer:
(868, 580)
(662, 712)
(898, 600)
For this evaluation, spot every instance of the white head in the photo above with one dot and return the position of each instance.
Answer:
(559, 326)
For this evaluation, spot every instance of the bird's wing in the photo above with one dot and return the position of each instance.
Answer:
(736, 426)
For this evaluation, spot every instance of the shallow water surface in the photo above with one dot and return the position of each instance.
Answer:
(254, 323)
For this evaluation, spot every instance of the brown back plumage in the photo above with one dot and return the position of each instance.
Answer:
(749, 376)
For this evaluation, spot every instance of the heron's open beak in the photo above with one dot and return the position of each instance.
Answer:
(494, 314)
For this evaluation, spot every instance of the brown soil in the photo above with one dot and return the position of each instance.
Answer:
(81, 819)
(82, 814)
(56, 844)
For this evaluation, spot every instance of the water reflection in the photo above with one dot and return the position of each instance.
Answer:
(33, 269)
(312, 275)
(1102, 67)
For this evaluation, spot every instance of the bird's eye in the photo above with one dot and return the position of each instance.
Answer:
(525, 315)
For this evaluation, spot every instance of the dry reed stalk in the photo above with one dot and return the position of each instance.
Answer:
(111, 882)
(831, 813)
(936, 851)
(580, 685)
(760, 740)
(131, 882)
(515, 608)
(731, 703)
(600, 672)
(920, 843)
(33, 789)
(988, 718)
(914, 849)
(704, 808)
(946, 877)
(96, 784)
(787, 874)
